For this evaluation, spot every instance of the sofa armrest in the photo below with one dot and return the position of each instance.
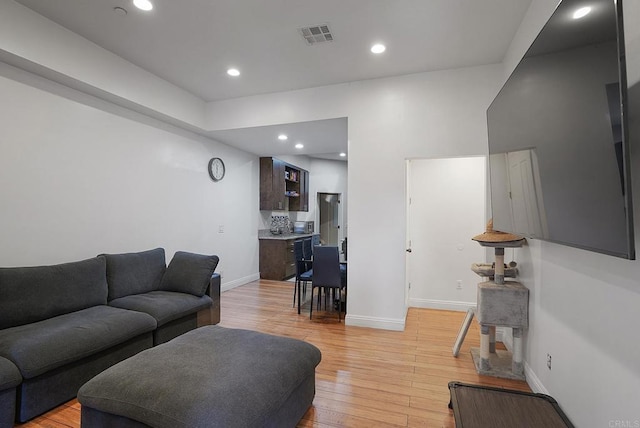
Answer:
(211, 315)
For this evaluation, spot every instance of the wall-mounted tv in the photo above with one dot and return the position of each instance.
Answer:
(558, 137)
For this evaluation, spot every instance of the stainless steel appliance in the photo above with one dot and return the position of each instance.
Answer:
(303, 227)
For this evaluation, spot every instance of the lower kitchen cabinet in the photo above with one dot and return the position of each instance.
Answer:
(277, 261)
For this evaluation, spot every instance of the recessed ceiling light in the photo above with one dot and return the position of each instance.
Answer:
(582, 12)
(120, 10)
(299, 146)
(143, 4)
(343, 154)
(378, 48)
(282, 137)
(233, 72)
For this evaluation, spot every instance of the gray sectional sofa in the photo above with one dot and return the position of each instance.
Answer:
(61, 325)
(9, 379)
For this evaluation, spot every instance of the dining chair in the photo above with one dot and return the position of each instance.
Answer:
(326, 274)
(304, 273)
(307, 251)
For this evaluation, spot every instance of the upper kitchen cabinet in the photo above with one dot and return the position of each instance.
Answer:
(272, 185)
(283, 186)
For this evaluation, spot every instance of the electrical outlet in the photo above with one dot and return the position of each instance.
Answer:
(221, 272)
(549, 361)
(221, 229)
(459, 285)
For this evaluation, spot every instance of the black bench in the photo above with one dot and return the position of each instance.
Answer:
(476, 406)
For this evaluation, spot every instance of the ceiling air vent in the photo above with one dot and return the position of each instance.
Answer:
(316, 34)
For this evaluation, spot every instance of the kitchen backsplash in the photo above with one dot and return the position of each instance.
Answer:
(281, 222)
(266, 217)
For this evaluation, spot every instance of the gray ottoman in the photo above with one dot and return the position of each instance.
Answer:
(209, 377)
(9, 378)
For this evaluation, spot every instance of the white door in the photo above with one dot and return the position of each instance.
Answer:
(446, 207)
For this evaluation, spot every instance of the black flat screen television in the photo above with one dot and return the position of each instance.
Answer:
(558, 137)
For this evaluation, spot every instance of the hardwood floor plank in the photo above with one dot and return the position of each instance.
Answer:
(355, 407)
(338, 389)
(367, 377)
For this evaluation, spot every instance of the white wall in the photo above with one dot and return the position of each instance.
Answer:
(583, 306)
(447, 209)
(76, 180)
(326, 102)
(439, 114)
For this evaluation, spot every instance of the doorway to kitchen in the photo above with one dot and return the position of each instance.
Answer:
(329, 218)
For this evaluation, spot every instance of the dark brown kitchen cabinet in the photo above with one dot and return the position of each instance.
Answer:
(277, 261)
(283, 187)
(272, 185)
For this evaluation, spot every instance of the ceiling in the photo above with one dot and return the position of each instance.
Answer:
(191, 43)
(324, 139)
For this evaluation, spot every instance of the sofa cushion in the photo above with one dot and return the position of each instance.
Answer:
(134, 273)
(164, 306)
(45, 345)
(31, 294)
(9, 374)
(189, 273)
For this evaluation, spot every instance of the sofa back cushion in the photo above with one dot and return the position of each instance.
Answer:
(31, 294)
(134, 273)
(189, 273)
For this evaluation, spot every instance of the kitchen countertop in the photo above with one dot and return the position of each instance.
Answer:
(266, 234)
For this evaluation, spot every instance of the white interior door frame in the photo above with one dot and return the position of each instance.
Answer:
(408, 250)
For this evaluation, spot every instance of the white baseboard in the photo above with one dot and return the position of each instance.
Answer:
(449, 305)
(503, 334)
(228, 285)
(534, 382)
(375, 322)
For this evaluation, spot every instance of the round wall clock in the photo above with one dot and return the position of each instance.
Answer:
(216, 169)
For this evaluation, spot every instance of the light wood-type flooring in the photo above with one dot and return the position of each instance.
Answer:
(367, 377)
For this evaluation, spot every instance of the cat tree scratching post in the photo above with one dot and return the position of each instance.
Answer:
(502, 304)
